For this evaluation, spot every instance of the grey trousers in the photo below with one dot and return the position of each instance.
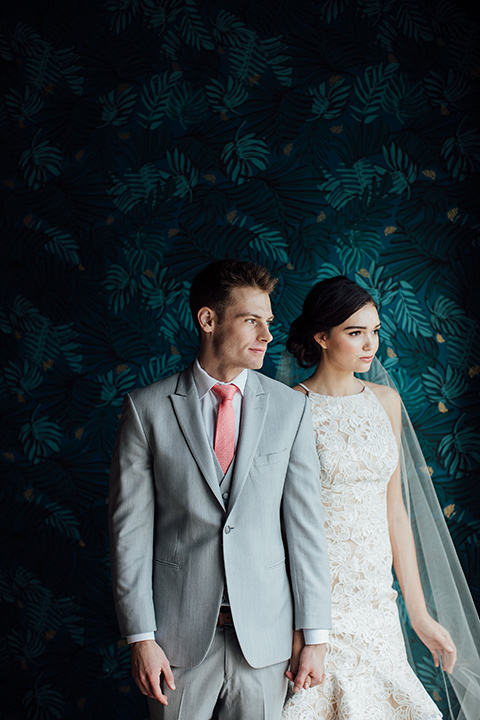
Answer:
(224, 687)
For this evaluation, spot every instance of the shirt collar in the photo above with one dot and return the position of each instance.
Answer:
(205, 382)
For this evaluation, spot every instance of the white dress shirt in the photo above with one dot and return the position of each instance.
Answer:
(209, 403)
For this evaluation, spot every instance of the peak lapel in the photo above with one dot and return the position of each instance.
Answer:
(255, 408)
(186, 406)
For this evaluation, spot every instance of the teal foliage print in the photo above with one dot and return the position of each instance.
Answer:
(141, 140)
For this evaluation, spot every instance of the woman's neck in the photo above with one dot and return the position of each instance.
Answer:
(333, 381)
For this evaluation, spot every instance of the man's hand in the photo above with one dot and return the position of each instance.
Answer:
(306, 663)
(148, 663)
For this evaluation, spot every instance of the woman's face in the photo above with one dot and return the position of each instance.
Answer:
(352, 345)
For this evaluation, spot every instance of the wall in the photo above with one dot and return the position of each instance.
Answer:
(139, 141)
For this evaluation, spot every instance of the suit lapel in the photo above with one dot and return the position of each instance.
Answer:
(186, 406)
(255, 408)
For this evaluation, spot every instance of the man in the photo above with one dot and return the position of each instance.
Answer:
(207, 464)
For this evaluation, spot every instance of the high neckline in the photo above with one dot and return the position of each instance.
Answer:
(337, 397)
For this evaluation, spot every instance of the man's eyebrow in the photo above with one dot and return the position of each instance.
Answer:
(248, 314)
(361, 327)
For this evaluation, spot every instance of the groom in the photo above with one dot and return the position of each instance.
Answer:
(208, 464)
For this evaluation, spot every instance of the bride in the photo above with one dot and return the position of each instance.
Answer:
(359, 437)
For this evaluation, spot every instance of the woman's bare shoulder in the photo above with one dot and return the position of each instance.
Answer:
(387, 395)
(300, 388)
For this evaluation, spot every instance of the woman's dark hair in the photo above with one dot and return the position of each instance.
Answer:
(328, 304)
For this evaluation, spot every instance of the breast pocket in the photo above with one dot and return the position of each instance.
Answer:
(271, 458)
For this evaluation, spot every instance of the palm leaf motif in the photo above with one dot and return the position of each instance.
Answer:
(40, 437)
(244, 156)
(383, 290)
(459, 449)
(410, 21)
(310, 245)
(409, 313)
(136, 187)
(24, 105)
(185, 104)
(371, 91)
(159, 14)
(122, 13)
(158, 368)
(403, 99)
(156, 290)
(355, 245)
(61, 518)
(44, 66)
(182, 172)
(249, 56)
(226, 97)
(463, 349)
(24, 316)
(404, 170)
(447, 317)
(43, 701)
(117, 107)
(444, 386)
(351, 182)
(461, 153)
(447, 90)
(122, 286)
(269, 243)
(25, 645)
(39, 162)
(329, 102)
(193, 28)
(114, 387)
(156, 97)
(331, 9)
(410, 391)
(62, 244)
(419, 253)
(22, 380)
(375, 8)
(143, 247)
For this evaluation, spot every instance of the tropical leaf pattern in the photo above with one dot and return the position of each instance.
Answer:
(141, 140)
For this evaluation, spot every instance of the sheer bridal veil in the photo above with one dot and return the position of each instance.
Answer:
(446, 591)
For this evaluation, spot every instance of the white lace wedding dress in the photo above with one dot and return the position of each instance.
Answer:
(367, 674)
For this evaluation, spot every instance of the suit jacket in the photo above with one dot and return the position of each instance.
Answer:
(175, 544)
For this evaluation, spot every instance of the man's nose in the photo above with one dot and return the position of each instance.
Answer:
(265, 335)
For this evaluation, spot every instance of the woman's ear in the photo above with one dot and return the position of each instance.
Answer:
(321, 339)
(206, 319)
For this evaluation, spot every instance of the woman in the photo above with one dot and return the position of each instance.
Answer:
(358, 435)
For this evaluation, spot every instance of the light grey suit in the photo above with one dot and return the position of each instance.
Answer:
(175, 545)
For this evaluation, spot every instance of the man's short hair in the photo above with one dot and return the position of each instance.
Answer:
(213, 285)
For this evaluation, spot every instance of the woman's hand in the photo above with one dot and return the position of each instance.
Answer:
(438, 641)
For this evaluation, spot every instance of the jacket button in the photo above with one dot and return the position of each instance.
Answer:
(228, 529)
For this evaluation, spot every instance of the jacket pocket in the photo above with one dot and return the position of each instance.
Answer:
(275, 565)
(167, 563)
(271, 458)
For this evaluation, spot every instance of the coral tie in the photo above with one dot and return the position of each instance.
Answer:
(224, 444)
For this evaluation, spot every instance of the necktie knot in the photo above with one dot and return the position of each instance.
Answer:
(225, 392)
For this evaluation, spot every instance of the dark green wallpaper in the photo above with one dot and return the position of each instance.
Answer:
(141, 139)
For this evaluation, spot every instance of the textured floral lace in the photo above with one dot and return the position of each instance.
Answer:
(367, 674)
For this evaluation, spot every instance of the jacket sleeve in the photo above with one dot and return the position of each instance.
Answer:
(131, 524)
(304, 531)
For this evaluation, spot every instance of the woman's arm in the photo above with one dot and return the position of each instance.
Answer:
(430, 632)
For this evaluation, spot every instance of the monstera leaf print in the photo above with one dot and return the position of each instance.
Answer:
(142, 140)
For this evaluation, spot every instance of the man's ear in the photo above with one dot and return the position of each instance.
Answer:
(206, 319)
(321, 339)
